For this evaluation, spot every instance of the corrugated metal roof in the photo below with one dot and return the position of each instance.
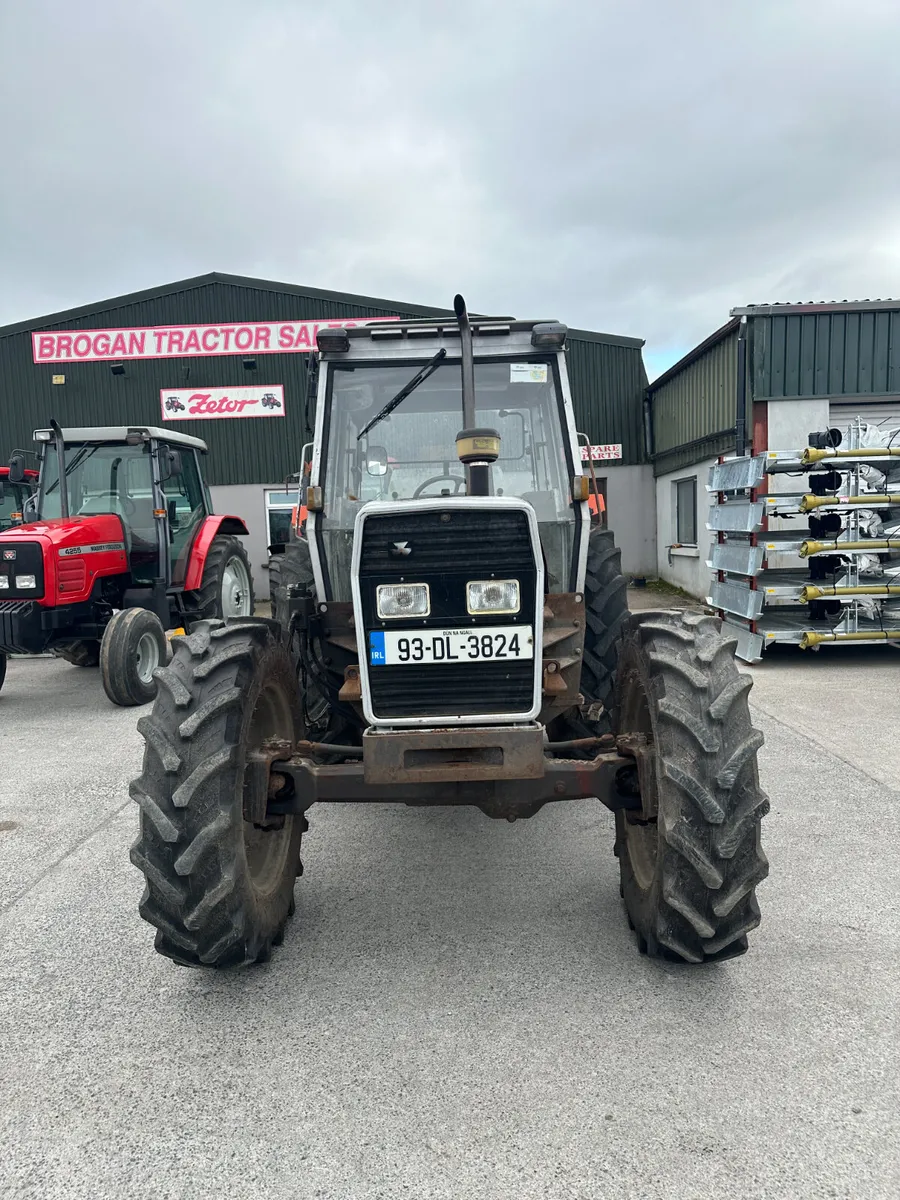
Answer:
(801, 306)
(692, 355)
(269, 287)
(694, 407)
(606, 372)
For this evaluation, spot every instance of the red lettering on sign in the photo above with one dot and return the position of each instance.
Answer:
(226, 335)
(63, 344)
(136, 343)
(202, 403)
(101, 343)
(46, 345)
(302, 338)
(159, 334)
(207, 334)
(262, 337)
(286, 337)
(192, 342)
(81, 346)
(176, 338)
(243, 339)
(118, 347)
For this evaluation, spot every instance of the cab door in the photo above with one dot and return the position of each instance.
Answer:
(186, 508)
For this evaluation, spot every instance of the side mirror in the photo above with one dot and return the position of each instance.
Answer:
(170, 465)
(376, 460)
(17, 468)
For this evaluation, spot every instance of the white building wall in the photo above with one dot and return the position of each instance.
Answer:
(684, 566)
(249, 502)
(631, 514)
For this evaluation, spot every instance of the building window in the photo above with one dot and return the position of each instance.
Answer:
(279, 508)
(686, 512)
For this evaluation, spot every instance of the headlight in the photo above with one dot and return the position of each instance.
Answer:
(403, 600)
(4, 581)
(492, 596)
(25, 581)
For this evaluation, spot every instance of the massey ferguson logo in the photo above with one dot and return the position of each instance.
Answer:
(401, 550)
(9, 555)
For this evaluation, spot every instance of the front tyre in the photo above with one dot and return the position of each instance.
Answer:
(133, 646)
(690, 856)
(219, 886)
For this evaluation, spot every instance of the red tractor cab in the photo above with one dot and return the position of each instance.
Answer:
(119, 543)
(13, 496)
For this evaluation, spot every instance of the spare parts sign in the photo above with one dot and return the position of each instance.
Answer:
(606, 451)
(204, 404)
(183, 341)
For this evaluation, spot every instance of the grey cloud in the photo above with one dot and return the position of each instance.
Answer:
(638, 167)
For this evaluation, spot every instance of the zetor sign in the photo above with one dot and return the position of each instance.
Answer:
(610, 450)
(203, 404)
(183, 341)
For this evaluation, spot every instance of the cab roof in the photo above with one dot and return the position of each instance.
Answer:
(121, 433)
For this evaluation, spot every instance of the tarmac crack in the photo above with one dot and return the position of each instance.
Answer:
(7, 905)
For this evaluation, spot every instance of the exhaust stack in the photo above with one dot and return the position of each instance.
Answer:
(476, 448)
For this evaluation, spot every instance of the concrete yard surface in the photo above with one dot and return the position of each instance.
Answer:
(459, 1009)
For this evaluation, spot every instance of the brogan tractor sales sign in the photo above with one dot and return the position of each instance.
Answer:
(204, 404)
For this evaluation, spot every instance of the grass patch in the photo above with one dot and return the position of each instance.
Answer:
(661, 588)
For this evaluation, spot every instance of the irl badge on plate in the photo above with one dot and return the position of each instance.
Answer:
(376, 648)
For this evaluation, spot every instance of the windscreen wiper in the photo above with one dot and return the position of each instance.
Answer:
(427, 370)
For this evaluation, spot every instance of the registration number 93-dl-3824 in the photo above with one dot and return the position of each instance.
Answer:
(396, 647)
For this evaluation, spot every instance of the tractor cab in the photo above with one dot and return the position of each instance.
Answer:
(147, 480)
(376, 447)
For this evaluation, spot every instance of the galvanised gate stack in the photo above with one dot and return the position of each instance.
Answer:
(807, 541)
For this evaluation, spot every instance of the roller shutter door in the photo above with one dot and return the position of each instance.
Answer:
(885, 414)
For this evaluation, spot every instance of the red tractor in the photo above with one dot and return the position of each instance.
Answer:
(118, 544)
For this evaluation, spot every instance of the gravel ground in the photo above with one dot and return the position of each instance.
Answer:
(459, 1009)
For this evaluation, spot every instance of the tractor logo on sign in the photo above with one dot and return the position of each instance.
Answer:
(219, 402)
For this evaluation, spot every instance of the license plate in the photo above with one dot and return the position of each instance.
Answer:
(500, 643)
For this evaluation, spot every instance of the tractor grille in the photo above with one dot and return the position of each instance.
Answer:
(446, 691)
(447, 548)
(482, 543)
(27, 559)
(71, 575)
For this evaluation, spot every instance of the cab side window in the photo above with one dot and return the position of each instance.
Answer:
(185, 509)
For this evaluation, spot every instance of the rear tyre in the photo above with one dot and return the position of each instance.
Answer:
(226, 589)
(80, 654)
(133, 646)
(691, 858)
(606, 619)
(293, 567)
(219, 888)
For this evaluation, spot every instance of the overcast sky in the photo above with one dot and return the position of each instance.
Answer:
(637, 167)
